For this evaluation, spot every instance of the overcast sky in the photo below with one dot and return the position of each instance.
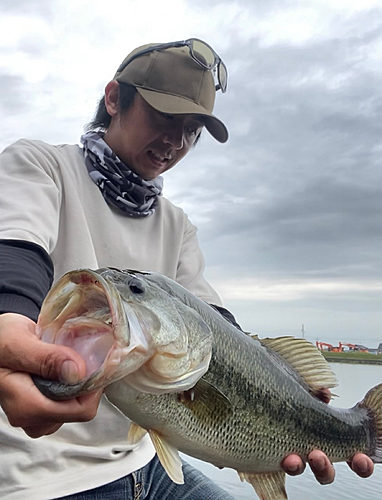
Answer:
(289, 209)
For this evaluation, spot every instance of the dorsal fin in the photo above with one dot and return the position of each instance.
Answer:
(305, 359)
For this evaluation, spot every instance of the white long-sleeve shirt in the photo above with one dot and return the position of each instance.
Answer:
(48, 198)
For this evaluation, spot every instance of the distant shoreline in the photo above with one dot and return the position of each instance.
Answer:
(361, 358)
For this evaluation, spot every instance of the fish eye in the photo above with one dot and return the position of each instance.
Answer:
(136, 286)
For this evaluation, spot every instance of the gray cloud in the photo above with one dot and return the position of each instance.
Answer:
(33, 45)
(296, 191)
(42, 8)
(293, 199)
(13, 98)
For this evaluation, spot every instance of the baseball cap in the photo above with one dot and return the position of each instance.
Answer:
(172, 82)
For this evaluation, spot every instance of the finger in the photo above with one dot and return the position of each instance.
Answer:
(323, 395)
(39, 431)
(81, 409)
(49, 361)
(321, 467)
(26, 407)
(45, 418)
(293, 465)
(25, 352)
(362, 465)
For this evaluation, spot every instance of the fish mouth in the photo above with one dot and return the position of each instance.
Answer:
(84, 311)
(124, 327)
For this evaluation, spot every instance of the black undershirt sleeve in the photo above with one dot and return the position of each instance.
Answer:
(26, 274)
(227, 315)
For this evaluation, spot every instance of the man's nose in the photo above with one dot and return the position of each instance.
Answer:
(174, 136)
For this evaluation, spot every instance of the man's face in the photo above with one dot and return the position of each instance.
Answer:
(150, 142)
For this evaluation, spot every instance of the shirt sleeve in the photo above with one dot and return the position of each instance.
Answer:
(191, 267)
(30, 194)
(26, 274)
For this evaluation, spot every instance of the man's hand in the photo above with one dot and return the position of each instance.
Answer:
(22, 353)
(321, 466)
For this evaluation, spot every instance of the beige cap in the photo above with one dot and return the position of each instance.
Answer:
(172, 82)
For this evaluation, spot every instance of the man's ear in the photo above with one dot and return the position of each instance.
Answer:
(112, 97)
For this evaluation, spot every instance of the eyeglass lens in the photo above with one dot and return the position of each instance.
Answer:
(222, 76)
(203, 49)
(209, 60)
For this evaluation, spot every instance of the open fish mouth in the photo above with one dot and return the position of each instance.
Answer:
(81, 312)
(84, 311)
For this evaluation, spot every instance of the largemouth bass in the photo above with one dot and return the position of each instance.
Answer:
(181, 372)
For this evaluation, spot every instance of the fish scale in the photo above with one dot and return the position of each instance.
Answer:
(255, 418)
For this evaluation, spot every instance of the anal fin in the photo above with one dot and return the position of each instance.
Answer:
(168, 456)
(268, 486)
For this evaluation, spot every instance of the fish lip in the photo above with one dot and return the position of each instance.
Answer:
(119, 328)
(58, 391)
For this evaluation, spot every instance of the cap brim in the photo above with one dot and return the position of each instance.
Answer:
(175, 105)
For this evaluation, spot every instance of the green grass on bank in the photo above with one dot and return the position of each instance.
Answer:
(353, 357)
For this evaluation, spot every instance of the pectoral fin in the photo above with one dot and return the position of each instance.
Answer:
(168, 456)
(268, 486)
(207, 403)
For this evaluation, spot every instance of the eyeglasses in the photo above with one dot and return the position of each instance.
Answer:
(200, 52)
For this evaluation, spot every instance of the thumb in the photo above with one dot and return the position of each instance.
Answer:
(54, 362)
(21, 350)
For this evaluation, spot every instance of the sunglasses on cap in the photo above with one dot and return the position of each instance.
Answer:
(200, 52)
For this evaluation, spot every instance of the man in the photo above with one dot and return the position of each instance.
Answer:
(63, 207)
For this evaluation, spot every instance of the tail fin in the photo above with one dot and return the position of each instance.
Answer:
(373, 402)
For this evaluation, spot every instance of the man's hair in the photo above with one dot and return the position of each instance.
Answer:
(102, 119)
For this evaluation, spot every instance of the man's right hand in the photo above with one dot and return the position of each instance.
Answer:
(22, 354)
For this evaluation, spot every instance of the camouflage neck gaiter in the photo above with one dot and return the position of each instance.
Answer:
(120, 187)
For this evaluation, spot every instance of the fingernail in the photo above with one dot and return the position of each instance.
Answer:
(319, 464)
(293, 468)
(362, 465)
(69, 372)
